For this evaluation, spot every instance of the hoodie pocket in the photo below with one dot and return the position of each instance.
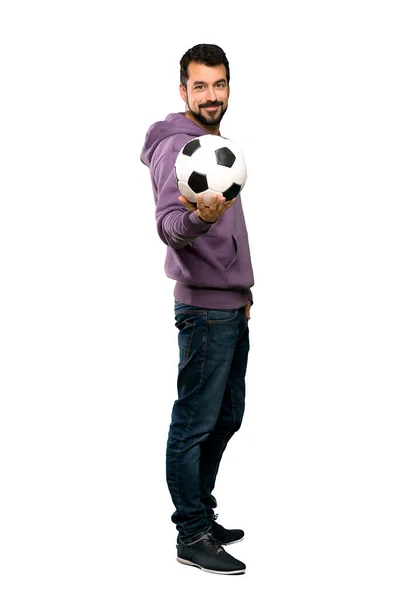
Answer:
(224, 250)
(240, 271)
(236, 252)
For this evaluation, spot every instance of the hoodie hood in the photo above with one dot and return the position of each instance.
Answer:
(174, 124)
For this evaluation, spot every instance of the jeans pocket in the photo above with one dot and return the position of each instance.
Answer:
(221, 316)
(185, 338)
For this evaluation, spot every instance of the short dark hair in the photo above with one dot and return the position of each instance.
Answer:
(205, 54)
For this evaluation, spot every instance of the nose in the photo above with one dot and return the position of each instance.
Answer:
(211, 95)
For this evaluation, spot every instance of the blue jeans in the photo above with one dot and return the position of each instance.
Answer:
(213, 348)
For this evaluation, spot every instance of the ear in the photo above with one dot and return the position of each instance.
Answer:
(183, 92)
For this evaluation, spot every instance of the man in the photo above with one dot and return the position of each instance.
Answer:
(209, 258)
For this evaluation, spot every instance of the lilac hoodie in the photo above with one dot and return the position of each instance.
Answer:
(210, 263)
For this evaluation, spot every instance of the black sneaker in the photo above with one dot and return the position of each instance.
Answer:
(226, 536)
(208, 555)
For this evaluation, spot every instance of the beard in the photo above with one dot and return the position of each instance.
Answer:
(204, 119)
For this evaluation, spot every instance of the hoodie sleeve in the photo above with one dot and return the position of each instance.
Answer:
(176, 225)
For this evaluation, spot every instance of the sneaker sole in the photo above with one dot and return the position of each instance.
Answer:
(183, 561)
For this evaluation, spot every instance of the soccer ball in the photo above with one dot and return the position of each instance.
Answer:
(210, 164)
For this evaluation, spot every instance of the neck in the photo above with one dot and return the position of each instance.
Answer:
(213, 129)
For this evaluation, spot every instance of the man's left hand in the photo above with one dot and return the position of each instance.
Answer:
(247, 310)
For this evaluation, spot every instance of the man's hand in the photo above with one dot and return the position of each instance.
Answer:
(247, 310)
(212, 213)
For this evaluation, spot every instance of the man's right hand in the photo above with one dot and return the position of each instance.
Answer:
(209, 214)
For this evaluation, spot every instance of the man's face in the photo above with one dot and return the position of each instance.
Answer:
(206, 93)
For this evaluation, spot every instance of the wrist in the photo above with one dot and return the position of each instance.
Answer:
(208, 222)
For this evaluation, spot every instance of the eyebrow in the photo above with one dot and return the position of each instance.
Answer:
(223, 80)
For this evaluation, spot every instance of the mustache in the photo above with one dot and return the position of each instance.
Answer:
(210, 105)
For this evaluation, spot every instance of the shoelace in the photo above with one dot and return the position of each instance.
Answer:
(212, 543)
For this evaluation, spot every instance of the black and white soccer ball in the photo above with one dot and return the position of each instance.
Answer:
(210, 164)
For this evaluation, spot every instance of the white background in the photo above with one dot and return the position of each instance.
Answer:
(88, 344)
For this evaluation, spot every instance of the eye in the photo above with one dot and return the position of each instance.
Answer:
(198, 87)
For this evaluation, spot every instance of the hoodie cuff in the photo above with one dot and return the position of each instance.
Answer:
(193, 223)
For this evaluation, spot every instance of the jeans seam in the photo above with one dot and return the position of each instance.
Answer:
(232, 403)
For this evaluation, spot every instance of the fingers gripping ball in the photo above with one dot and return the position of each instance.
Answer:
(210, 164)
